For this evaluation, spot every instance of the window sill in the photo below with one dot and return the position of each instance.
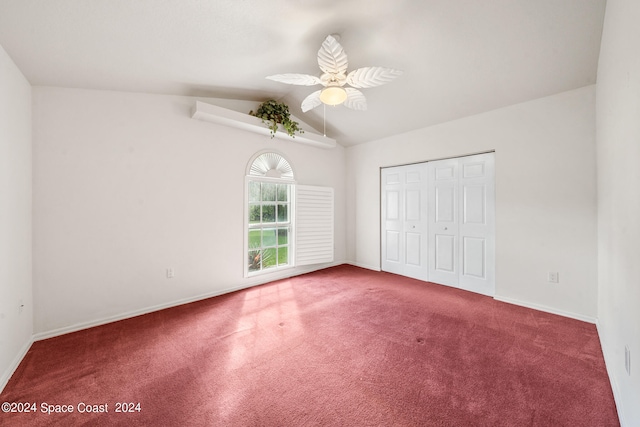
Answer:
(253, 274)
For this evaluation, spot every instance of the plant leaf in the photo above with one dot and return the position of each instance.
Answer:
(273, 113)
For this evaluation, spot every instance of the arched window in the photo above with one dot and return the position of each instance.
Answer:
(269, 201)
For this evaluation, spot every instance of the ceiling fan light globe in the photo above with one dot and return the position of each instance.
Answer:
(333, 95)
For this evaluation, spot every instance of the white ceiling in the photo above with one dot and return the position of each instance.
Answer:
(459, 57)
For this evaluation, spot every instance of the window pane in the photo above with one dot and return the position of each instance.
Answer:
(254, 191)
(269, 258)
(283, 213)
(268, 213)
(254, 250)
(283, 255)
(268, 192)
(254, 214)
(283, 236)
(254, 239)
(283, 192)
(269, 237)
(254, 260)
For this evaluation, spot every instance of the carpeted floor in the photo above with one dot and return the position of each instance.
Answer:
(342, 346)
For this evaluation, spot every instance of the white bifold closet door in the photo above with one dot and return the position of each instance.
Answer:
(404, 220)
(462, 223)
(443, 221)
(459, 224)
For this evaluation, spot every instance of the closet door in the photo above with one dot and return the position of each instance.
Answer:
(477, 224)
(443, 221)
(438, 222)
(392, 201)
(404, 225)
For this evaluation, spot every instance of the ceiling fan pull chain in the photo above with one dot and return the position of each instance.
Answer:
(324, 119)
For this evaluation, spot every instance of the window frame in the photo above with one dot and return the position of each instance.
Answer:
(248, 226)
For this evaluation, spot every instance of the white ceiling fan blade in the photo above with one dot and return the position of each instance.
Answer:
(371, 76)
(355, 100)
(331, 57)
(296, 79)
(311, 101)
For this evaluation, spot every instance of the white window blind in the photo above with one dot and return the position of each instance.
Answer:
(314, 225)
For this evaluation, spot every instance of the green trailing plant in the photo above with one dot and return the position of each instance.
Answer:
(273, 113)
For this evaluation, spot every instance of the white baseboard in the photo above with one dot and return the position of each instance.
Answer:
(546, 309)
(608, 362)
(255, 281)
(6, 376)
(361, 265)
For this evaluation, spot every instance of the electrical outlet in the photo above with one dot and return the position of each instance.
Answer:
(627, 359)
(554, 277)
(170, 273)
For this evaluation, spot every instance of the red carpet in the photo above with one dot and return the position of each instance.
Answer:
(343, 346)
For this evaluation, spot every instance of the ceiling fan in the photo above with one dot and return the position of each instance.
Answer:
(332, 60)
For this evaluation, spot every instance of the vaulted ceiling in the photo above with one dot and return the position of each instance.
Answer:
(459, 57)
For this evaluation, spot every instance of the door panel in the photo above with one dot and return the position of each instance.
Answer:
(414, 249)
(477, 229)
(393, 246)
(445, 203)
(392, 178)
(473, 170)
(474, 257)
(413, 205)
(403, 222)
(414, 176)
(393, 205)
(444, 254)
(443, 221)
(446, 171)
(415, 221)
(392, 222)
(474, 204)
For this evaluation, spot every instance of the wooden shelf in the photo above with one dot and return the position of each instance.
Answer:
(226, 117)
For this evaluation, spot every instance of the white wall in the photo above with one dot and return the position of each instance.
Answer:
(126, 185)
(16, 325)
(618, 141)
(545, 195)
